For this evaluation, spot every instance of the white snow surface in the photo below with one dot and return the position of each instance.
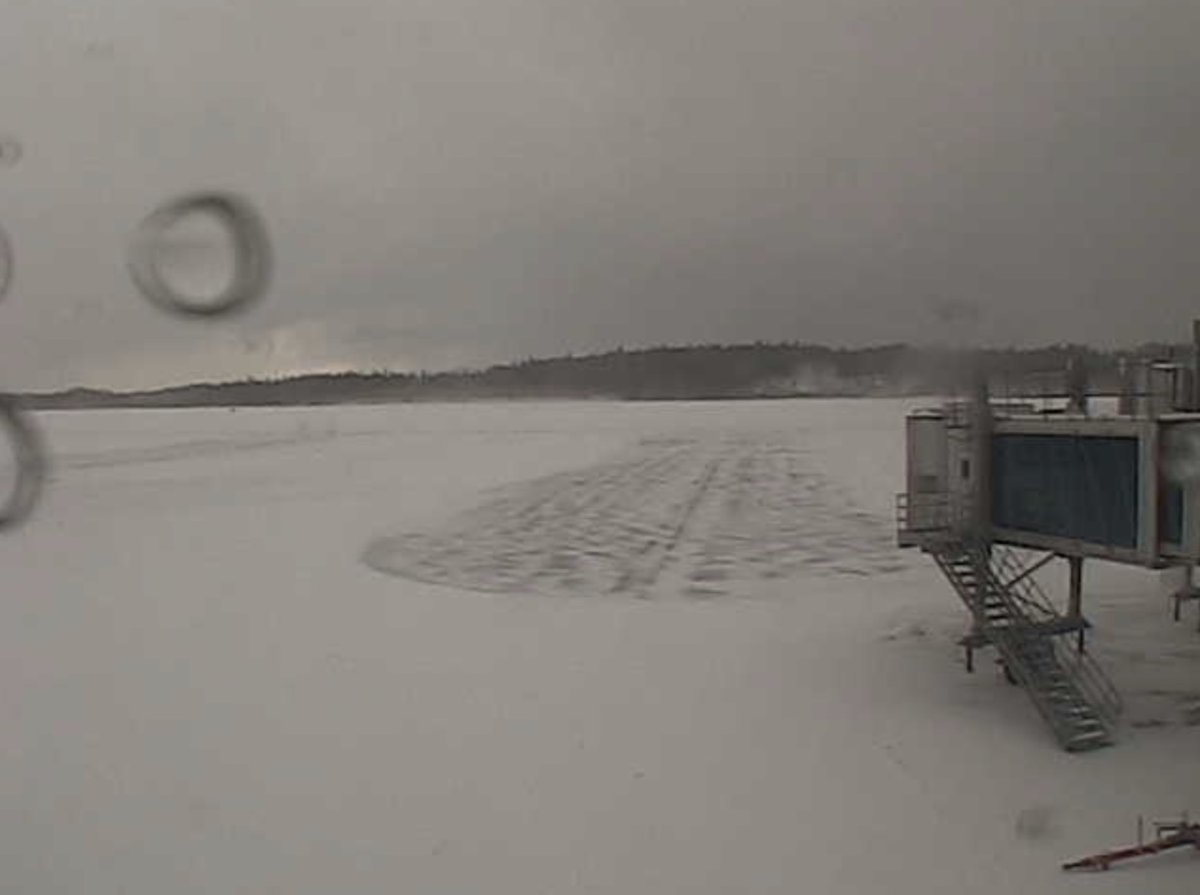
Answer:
(539, 648)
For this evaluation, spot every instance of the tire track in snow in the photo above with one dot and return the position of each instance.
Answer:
(665, 519)
(663, 555)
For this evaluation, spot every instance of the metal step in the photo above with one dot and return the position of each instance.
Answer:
(1022, 627)
(1075, 722)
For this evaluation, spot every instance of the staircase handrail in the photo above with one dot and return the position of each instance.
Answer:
(1096, 686)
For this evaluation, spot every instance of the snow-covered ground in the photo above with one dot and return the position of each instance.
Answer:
(538, 648)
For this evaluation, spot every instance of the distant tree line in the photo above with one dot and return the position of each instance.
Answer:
(692, 372)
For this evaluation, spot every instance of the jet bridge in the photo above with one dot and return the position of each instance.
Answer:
(996, 490)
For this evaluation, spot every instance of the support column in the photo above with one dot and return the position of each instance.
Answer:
(981, 433)
(1195, 396)
(1077, 386)
(1186, 591)
(980, 516)
(1191, 587)
(1075, 601)
(981, 568)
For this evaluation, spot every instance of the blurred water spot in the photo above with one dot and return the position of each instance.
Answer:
(202, 254)
(10, 471)
(22, 464)
(6, 263)
(10, 151)
(1181, 453)
(1036, 822)
(195, 257)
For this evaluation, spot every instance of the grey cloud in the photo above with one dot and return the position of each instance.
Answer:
(465, 181)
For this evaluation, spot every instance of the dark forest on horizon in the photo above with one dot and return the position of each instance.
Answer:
(696, 372)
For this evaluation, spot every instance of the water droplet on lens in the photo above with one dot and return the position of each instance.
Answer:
(196, 258)
(202, 255)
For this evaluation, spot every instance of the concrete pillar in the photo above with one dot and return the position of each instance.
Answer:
(1075, 604)
(981, 433)
(1075, 596)
(1195, 402)
(1186, 590)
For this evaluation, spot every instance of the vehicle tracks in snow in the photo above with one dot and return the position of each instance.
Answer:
(689, 518)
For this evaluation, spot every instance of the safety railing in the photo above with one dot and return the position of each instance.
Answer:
(930, 514)
(1034, 606)
(958, 414)
(1012, 578)
(1096, 686)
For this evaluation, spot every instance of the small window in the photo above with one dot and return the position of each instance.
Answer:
(966, 469)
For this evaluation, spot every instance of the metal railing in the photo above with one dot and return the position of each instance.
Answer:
(958, 414)
(1028, 606)
(932, 513)
(1096, 686)
(1050, 390)
(1026, 659)
(1012, 579)
(1013, 611)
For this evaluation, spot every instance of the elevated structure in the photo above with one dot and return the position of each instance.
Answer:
(996, 490)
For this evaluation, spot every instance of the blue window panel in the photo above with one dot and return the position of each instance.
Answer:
(1067, 486)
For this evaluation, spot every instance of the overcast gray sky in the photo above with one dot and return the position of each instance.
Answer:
(458, 182)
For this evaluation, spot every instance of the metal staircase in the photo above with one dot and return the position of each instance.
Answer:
(1012, 613)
